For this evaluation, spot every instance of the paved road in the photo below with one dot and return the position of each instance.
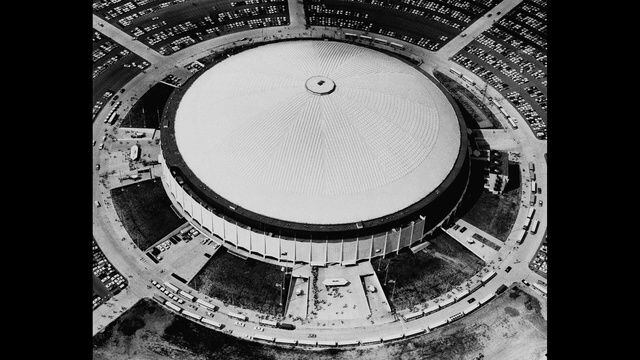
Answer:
(130, 260)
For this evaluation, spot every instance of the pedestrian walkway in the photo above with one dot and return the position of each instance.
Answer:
(481, 250)
(464, 38)
(126, 40)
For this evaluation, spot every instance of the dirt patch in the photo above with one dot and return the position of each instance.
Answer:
(491, 332)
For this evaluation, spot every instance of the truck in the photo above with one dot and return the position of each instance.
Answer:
(489, 276)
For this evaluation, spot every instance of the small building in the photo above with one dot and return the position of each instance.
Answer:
(497, 172)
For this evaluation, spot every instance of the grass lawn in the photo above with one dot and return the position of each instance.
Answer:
(144, 210)
(494, 214)
(427, 274)
(246, 283)
(147, 111)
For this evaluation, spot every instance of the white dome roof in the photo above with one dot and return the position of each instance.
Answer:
(368, 136)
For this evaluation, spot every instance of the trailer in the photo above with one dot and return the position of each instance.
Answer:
(263, 338)
(326, 343)
(447, 302)
(471, 308)
(534, 227)
(438, 324)
(307, 342)
(462, 295)
(414, 332)
(191, 315)
(286, 341)
(430, 309)
(186, 295)
(371, 341)
(531, 212)
(207, 305)
(412, 316)
(489, 276)
(173, 306)
(475, 287)
(171, 286)
(348, 342)
(238, 316)
(486, 299)
(212, 323)
(268, 323)
(392, 337)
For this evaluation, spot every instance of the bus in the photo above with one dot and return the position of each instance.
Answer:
(512, 122)
(186, 295)
(455, 72)
(534, 187)
(215, 324)
(526, 224)
(534, 228)
(171, 286)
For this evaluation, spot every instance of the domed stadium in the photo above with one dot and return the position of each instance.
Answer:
(312, 138)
